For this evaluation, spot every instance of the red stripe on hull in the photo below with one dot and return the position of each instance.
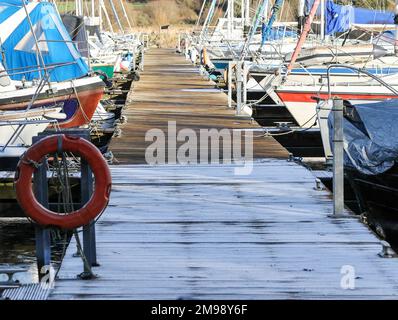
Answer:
(307, 96)
(88, 99)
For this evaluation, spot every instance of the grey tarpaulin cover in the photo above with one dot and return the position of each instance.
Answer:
(370, 136)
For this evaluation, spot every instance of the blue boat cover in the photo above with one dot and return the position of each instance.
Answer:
(370, 137)
(275, 33)
(20, 54)
(339, 18)
(267, 28)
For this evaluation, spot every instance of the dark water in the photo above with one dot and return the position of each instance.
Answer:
(384, 226)
(17, 248)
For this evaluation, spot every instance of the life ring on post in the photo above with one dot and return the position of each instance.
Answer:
(32, 158)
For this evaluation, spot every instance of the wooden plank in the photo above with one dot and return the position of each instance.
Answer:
(203, 232)
(252, 239)
(171, 89)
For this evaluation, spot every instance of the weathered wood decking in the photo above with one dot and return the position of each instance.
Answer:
(171, 89)
(203, 232)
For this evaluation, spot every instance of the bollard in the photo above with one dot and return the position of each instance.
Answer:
(230, 64)
(387, 251)
(338, 156)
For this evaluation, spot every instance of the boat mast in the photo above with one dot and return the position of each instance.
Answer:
(125, 14)
(242, 11)
(100, 16)
(79, 8)
(261, 13)
(301, 14)
(108, 20)
(116, 16)
(208, 19)
(230, 18)
(92, 8)
(267, 31)
(322, 20)
(303, 36)
(396, 28)
(201, 12)
(39, 56)
(247, 12)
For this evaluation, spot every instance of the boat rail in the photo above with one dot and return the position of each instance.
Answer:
(359, 70)
(29, 69)
(21, 126)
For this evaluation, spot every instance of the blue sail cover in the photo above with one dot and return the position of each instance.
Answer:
(19, 47)
(267, 28)
(275, 33)
(339, 18)
(370, 137)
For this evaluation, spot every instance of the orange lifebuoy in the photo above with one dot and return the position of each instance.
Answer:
(24, 187)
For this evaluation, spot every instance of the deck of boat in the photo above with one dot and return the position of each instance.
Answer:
(203, 232)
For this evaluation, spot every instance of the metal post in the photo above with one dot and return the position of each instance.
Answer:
(230, 18)
(43, 238)
(201, 12)
(244, 82)
(230, 64)
(247, 12)
(338, 154)
(322, 20)
(134, 62)
(126, 15)
(89, 246)
(301, 14)
(142, 60)
(239, 81)
(243, 13)
(116, 16)
(43, 248)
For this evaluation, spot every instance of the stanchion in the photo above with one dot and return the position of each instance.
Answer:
(43, 234)
(338, 158)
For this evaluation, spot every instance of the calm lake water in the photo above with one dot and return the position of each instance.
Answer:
(17, 248)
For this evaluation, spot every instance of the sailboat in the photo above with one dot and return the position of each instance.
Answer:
(300, 93)
(41, 67)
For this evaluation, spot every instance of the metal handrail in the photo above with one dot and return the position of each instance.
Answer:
(25, 122)
(21, 126)
(5, 72)
(359, 70)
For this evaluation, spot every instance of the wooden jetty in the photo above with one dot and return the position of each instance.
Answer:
(171, 89)
(203, 232)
